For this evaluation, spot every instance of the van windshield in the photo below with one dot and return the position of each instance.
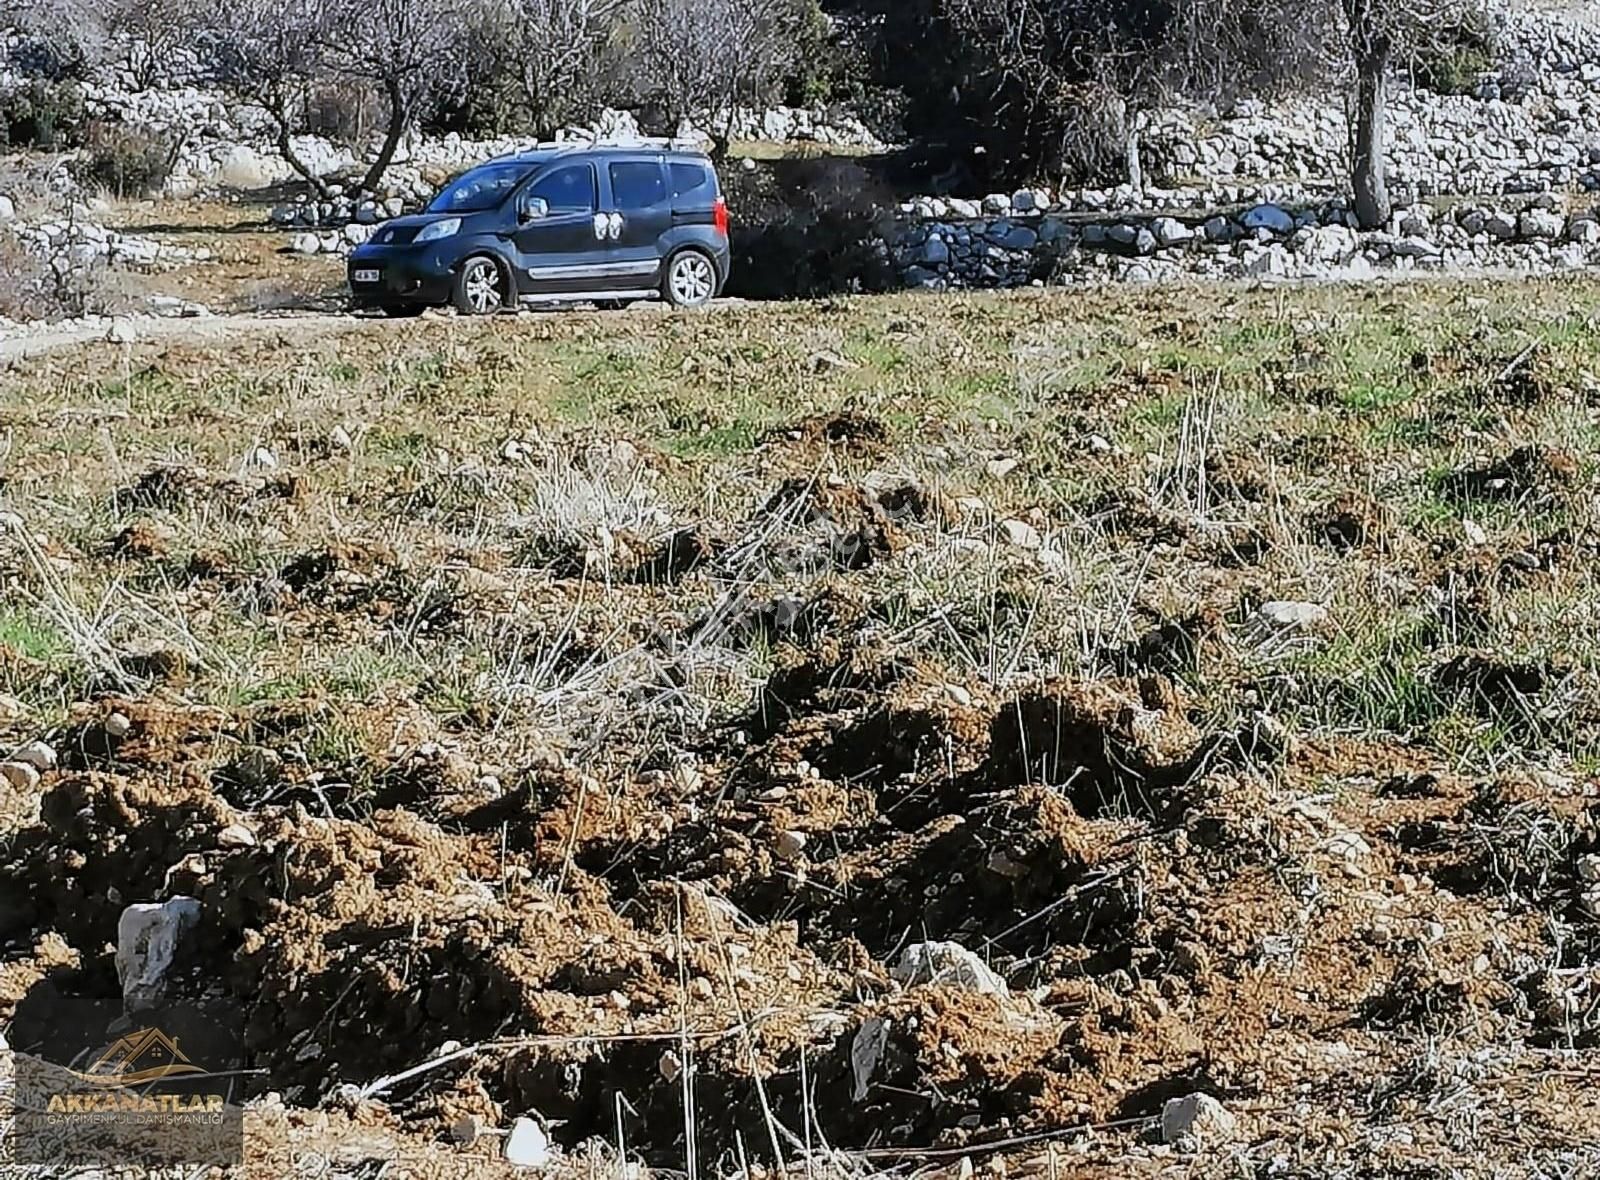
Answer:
(478, 190)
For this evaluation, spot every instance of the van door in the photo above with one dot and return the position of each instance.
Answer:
(641, 209)
(562, 249)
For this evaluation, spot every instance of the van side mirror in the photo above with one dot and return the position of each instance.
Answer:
(532, 208)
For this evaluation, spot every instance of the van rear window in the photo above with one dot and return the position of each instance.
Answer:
(692, 181)
(637, 186)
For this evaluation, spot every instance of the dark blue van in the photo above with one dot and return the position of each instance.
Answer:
(610, 224)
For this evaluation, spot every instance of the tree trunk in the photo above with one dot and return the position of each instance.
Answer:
(1135, 163)
(1367, 164)
(398, 118)
(286, 150)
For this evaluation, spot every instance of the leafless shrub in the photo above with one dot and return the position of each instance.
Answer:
(340, 111)
(1079, 73)
(411, 52)
(1042, 58)
(41, 115)
(407, 53)
(35, 286)
(129, 162)
(60, 38)
(268, 51)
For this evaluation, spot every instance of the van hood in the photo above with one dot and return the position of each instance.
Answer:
(418, 220)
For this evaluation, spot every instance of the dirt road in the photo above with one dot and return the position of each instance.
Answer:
(72, 335)
(55, 337)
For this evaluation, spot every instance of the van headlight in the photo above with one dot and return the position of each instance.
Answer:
(435, 230)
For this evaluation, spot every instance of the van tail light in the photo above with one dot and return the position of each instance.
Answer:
(719, 216)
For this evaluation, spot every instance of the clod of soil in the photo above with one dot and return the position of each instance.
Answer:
(1497, 686)
(1529, 471)
(1348, 523)
(1172, 648)
(850, 429)
(1238, 477)
(676, 556)
(1114, 747)
(166, 487)
(139, 541)
(1525, 380)
(858, 529)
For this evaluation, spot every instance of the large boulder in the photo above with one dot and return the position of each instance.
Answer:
(1541, 225)
(1268, 217)
(1169, 231)
(1014, 237)
(1197, 1119)
(1330, 245)
(243, 167)
(148, 939)
(949, 964)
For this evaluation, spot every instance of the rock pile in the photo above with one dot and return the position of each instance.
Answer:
(783, 124)
(85, 244)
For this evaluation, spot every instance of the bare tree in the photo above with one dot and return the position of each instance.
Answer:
(556, 48)
(410, 52)
(413, 52)
(1079, 73)
(710, 56)
(1380, 35)
(268, 51)
(1371, 50)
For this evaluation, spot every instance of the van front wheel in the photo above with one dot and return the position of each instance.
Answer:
(480, 287)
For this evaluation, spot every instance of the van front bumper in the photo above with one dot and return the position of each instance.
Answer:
(380, 275)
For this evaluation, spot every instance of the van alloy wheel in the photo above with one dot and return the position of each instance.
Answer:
(691, 279)
(478, 291)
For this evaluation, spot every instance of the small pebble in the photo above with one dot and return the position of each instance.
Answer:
(38, 755)
(20, 775)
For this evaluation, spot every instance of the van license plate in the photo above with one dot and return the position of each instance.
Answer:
(366, 276)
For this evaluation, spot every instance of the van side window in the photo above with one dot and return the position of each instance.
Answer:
(691, 183)
(567, 190)
(638, 186)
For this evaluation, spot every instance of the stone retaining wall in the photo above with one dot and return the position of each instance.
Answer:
(1266, 241)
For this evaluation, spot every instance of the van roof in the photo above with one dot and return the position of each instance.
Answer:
(549, 151)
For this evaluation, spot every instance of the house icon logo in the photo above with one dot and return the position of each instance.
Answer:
(148, 1055)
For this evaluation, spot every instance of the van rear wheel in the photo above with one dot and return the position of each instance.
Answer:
(691, 279)
(480, 286)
